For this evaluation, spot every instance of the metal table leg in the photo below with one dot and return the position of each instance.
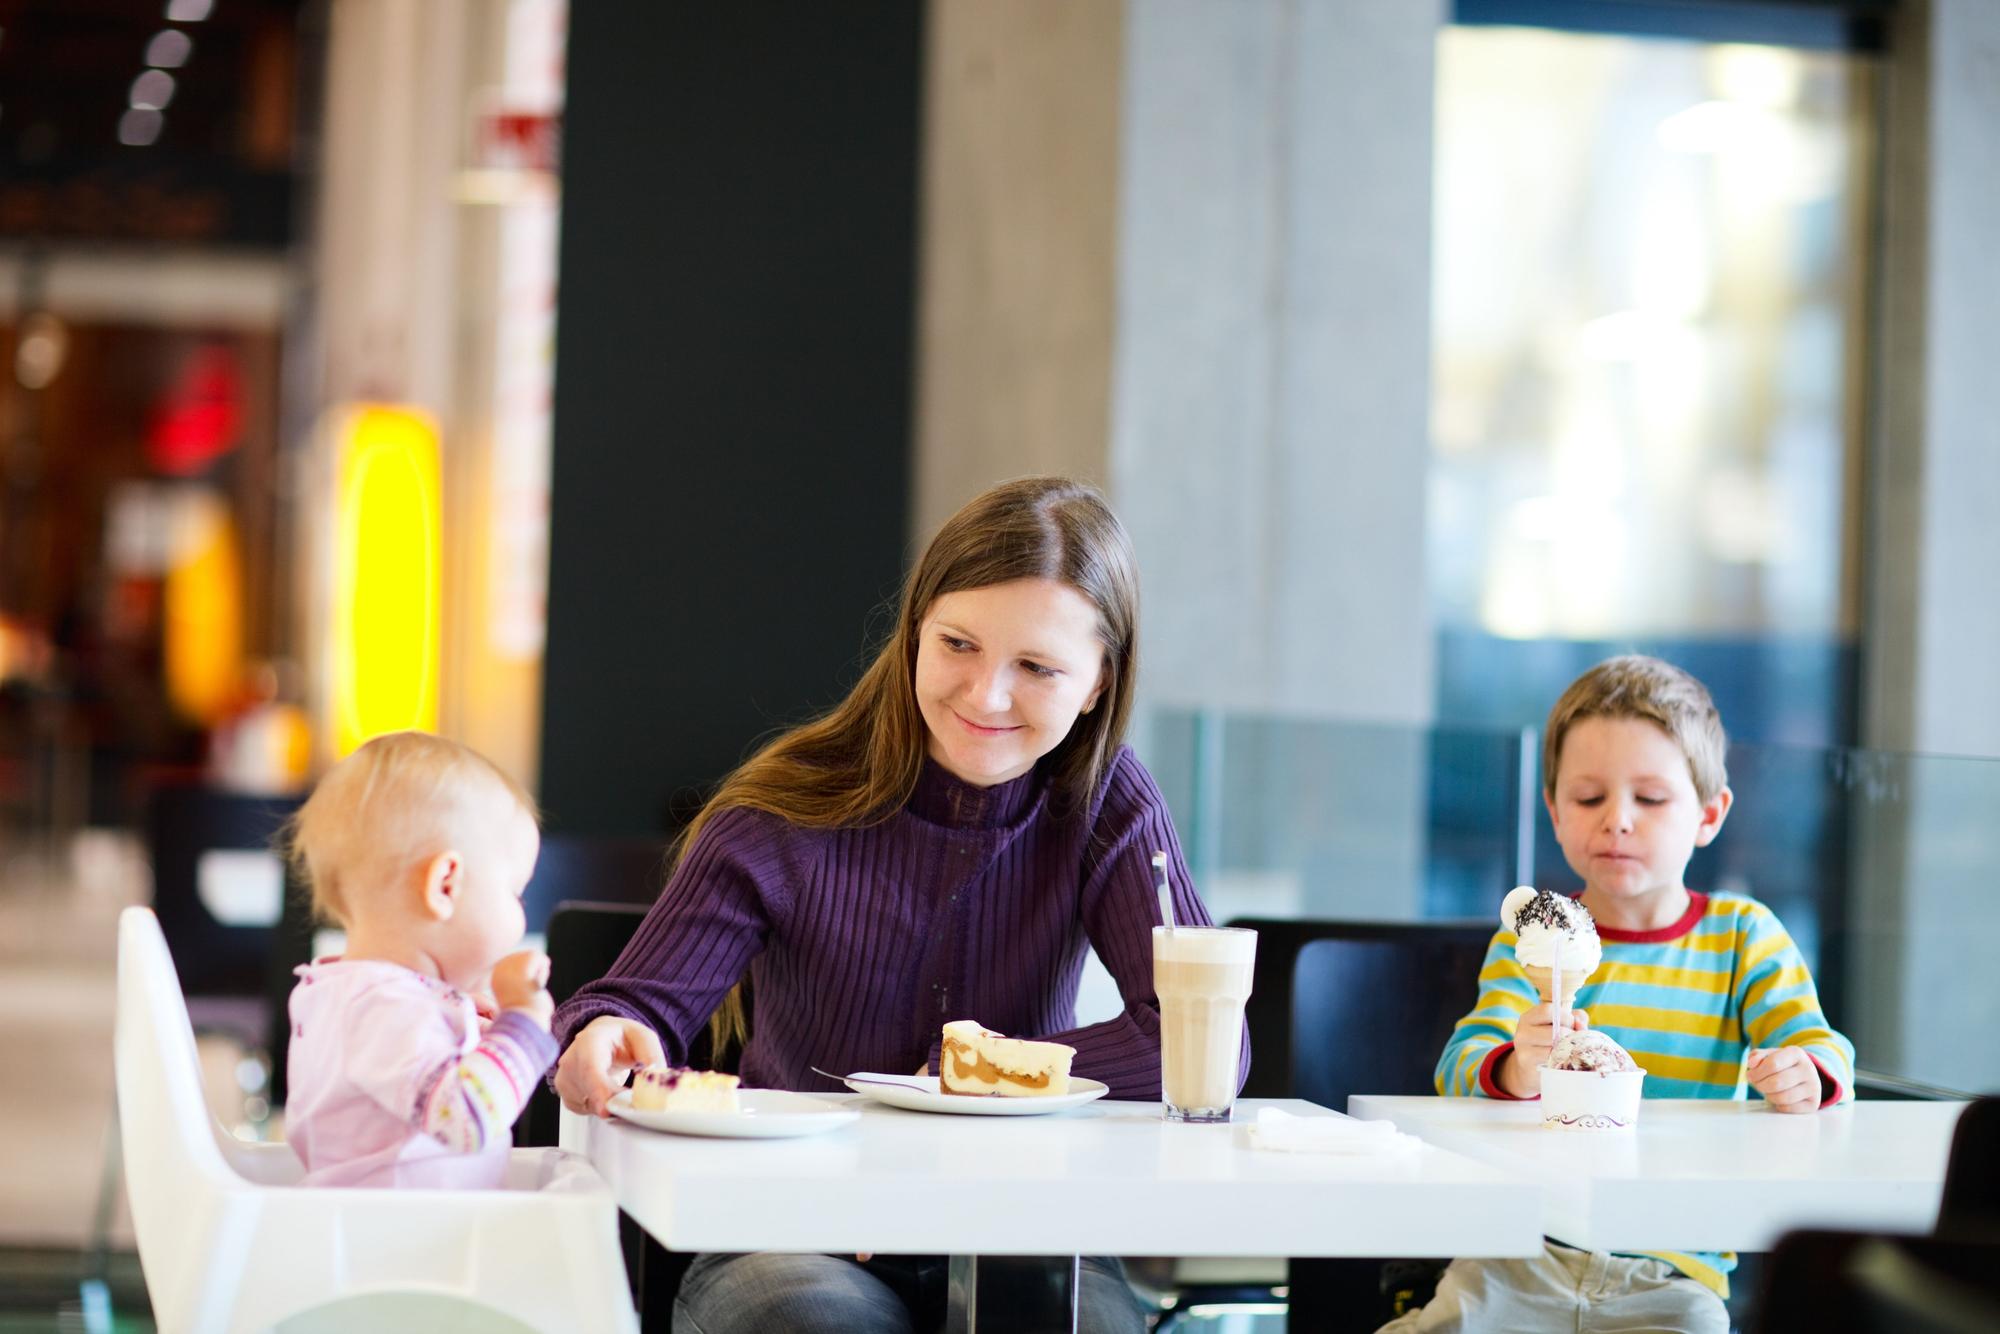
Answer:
(1012, 1294)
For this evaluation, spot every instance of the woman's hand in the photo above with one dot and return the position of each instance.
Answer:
(521, 982)
(594, 1067)
(1534, 1038)
(1787, 1078)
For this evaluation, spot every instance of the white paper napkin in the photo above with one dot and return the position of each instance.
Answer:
(1283, 1132)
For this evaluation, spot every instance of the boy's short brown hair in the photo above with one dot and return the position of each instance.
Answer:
(1636, 686)
(401, 796)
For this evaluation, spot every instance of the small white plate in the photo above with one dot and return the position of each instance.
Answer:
(919, 1093)
(762, 1114)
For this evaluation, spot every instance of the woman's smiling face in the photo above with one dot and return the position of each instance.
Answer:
(1003, 672)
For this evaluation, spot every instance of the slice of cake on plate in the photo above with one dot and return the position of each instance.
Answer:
(982, 1063)
(660, 1088)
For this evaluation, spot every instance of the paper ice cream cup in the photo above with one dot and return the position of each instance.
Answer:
(1591, 1099)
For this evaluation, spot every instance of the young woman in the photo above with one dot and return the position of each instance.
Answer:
(945, 844)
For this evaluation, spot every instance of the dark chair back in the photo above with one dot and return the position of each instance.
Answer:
(585, 939)
(225, 963)
(597, 870)
(1372, 1010)
(185, 825)
(1272, 1010)
(1359, 1007)
(1971, 1203)
(1879, 1284)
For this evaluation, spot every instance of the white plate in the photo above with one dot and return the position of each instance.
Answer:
(919, 1093)
(762, 1114)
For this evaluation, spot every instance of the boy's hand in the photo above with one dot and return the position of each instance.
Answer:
(1534, 1038)
(1787, 1078)
(520, 982)
(593, 1069)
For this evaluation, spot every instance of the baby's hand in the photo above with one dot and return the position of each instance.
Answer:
(1787, 1078)
(520, 982)
(1534, 1038)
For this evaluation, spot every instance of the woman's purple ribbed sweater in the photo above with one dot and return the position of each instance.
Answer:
(969, 903)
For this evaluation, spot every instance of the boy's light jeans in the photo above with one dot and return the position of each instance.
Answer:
(1591, 1292)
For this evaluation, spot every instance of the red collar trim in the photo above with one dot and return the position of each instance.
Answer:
(1697, 905)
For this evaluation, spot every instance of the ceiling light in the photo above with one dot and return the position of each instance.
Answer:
(152, 91)
(188, 11)
(169, 49)
(140, 126)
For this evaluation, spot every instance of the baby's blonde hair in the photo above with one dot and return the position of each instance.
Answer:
(1636, 686)
(401, 797)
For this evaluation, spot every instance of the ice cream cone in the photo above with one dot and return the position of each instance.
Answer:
(1545, 981)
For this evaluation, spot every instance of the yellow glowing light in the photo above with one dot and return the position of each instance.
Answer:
(387, 576)
(204, 611)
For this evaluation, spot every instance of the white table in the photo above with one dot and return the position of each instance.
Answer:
(1701, 1175)
(1108, 1178)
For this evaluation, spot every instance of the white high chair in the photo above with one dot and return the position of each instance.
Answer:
(230, 1242)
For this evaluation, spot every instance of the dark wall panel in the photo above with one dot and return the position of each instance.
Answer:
(735, 336)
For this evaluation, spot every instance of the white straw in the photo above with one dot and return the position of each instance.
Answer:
(1166, 894)
(1558, 1002)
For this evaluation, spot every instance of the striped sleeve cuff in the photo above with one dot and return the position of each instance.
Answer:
(1831, 1090)
(1489, 1080)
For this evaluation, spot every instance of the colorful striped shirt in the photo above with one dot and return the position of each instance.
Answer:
(1689, 1001)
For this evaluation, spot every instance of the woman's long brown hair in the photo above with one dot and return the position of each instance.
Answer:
(859, 763)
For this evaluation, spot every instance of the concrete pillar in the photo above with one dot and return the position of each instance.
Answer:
(1019, 237)
(1923, 844)
(1271, 396)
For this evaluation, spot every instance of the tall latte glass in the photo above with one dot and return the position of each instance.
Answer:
(1202, 976)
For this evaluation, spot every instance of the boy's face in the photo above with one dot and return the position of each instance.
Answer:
(1625, 809)
(487, 920)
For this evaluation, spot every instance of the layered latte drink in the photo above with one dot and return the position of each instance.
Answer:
(1202, 976)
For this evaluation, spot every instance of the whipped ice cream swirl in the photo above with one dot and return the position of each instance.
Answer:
(1551, 930)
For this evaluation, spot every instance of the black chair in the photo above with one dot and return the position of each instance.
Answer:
(1880, 1284)
(1971, 1203)
(597, 870)
(226, 960)
(1271, 1011)
(1372, 1008)
(1372, 1005)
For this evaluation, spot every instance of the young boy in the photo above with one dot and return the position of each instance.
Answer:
(420, 848)
(1709, 994)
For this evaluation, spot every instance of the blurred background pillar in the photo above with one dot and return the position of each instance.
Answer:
(1019, 246)
(730, 494)
(1270, 402)
(434, 291)
(1933, 630)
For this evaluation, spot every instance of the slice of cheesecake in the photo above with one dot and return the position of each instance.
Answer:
(982, 1063)
(660, 1088)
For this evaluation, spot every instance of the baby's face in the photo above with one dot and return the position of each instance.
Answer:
(487, 921)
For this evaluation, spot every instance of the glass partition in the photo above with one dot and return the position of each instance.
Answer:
(1884, 867)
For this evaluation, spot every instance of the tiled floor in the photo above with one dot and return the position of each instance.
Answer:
(58, 985)
(58, 956)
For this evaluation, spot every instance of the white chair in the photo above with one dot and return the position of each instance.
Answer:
(230, 1242)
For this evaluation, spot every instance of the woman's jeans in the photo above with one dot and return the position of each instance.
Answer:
(890, 1294)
